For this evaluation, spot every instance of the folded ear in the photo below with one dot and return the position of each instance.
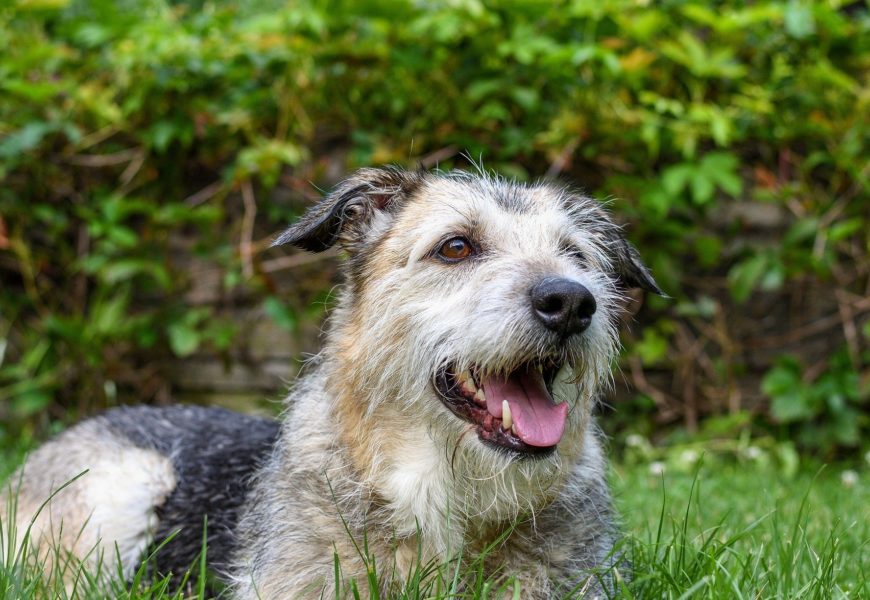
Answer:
(347, 210)
(630, 270)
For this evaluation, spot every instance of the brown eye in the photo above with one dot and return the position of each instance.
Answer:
(455, 249)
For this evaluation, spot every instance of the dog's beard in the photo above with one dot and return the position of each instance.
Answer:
(492, 485)
(411, 376)
(403, 411)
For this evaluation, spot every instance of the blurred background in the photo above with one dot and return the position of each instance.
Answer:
(150, 149)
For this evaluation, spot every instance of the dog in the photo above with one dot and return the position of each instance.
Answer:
(448, 419)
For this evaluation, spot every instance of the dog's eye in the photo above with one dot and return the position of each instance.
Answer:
(455, 249)
(574, 252)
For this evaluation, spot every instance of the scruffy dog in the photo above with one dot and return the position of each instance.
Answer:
(448, 414)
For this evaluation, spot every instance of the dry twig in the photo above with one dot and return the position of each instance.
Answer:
(245, 246)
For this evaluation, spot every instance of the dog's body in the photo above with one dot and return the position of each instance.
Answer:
(448, 416)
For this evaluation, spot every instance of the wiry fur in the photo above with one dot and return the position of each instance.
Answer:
(402, 471)
(369, 463)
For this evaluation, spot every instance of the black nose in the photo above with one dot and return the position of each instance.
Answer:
(563, 305)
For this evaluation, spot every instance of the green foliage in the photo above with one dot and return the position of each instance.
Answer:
(134, 132)
(826, 412)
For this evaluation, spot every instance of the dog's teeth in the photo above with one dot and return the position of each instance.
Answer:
(514, 430)
(506, 421)
(480, 397)
(468, 382)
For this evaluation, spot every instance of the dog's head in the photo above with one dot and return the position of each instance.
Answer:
(484, 309)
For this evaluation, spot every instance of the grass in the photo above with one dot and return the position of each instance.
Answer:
(716, 531)
(742, 531)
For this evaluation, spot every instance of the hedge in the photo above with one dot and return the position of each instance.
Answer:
(731, 137)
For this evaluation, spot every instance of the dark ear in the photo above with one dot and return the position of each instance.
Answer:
(347, 209)
(630, 270)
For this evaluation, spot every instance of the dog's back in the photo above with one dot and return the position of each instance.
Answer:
(135, 475)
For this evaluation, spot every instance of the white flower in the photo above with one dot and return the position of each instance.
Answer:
(753, 452)
(849, 478)
(656, 468)
(635, 441)
(689, 456)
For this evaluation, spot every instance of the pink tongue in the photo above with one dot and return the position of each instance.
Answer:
(538, 421)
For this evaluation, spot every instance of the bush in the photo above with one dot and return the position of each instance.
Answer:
(734, 136)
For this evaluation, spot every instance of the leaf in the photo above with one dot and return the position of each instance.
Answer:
(25, 139)
(708, 249)
(161, 135)
(720, 129)
(30, 402)
(526, 98)
(702, 188)
(108, 315)
(675, 179)
(781, 379)
(791, 406)
(791, 401)
(774, 277)
(798, 19)
(803, 229)
(92, 35)
(721, 168)
(127, 268)
(846, 428)
(183, 339)
(788, 458)
(656, 201)
(33, 91)
(34, 356)
(844, 229)
(729, 182)
(652, 348)
(39, 5)
(743, 277)
(282, 314)
(718, 162)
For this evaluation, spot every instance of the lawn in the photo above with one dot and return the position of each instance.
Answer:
(714, 530)
(746, 531)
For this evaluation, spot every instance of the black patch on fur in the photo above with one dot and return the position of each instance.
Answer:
(214, 453)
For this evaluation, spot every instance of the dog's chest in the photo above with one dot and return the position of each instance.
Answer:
(418, 489)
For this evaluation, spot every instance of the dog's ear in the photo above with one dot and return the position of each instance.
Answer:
(630, 270)
(347, 209)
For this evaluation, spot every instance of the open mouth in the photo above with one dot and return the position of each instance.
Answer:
(513, 412)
